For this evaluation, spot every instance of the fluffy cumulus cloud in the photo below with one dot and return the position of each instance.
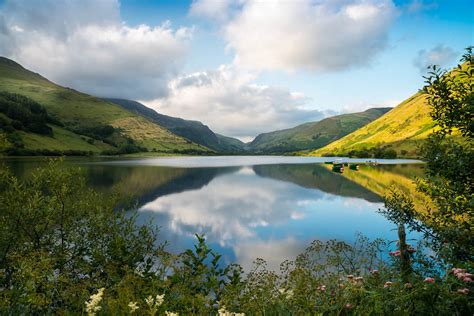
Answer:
(230, 103)
(305, 34)
(440, 55)
(85, 45)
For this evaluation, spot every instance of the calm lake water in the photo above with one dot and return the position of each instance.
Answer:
(249, 207)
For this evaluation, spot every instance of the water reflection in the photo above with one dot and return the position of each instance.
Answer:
(271, 211)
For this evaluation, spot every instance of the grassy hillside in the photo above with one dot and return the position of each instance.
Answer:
(83, 119)
(193, 130)
(401, 129)
(314, 134)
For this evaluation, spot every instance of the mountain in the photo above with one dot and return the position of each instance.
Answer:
(78, 123)
(314, 134)
(402, 129)
(193, 130)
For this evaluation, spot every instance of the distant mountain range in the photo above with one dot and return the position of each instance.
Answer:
(39, 117)
(313, 134)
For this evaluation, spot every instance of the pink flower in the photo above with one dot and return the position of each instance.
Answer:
(375, 271)
(348, 306)
(387, 284)
(429, 280)
(464, 291)
(467, 279)
(411, 250)
(322, 288)
(458, 270)
(395, 253)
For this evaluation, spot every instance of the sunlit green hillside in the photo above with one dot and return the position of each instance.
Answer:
(401, 129)
(80, 115)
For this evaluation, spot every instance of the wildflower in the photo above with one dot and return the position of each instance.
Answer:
(408, 285)
(287, 293)
(374, 271)
(411, 250)
(150, 301)
(223, 312)
(159, 299)
(387, 284)
(92, 306)
(133, 306)
(467, 279)
(359, 278)
(395, 253)
(348, 306)
(429, 280)
(350, 276)
(457, 271)
(464, 291)
(322, 288)
(170, 313)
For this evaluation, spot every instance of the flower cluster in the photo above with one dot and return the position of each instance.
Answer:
(462, 275)
(224, 312)
(92, 305)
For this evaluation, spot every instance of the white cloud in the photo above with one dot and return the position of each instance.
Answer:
(304, 34)
(440, 55)
(231, 104)
(212, 9)
(85, 45)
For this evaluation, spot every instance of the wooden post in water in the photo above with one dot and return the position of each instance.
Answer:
(405, 261)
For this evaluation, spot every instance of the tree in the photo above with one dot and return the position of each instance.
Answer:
(449, 158)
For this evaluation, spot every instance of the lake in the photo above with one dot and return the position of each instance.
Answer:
(250, 207)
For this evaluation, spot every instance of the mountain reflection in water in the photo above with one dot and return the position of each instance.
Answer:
(269, 211)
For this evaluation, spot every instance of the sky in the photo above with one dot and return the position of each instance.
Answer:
(242, 67)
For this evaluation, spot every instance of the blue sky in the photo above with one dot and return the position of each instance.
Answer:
(242, 67)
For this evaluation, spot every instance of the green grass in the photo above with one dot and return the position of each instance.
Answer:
(78, 110)
(404, 128)
(314, 134)
(62, 140)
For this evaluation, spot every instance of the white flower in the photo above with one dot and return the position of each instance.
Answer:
(133, 306)
(150, 301)
(223, 312)
(287, 293)
(160, 299)
(171, 314)
(92, 306)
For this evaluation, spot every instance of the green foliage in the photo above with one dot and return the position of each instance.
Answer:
(385, 152)
(22, 113)
(449, 176)
(60, 240)
(449, 182)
